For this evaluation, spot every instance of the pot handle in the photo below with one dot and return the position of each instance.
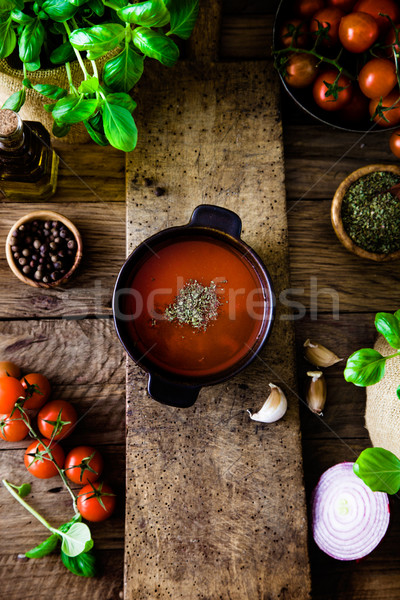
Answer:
(172, 394)
(216, 217)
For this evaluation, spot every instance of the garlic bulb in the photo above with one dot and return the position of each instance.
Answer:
(316, 394)
(273, 408)
(319, 355)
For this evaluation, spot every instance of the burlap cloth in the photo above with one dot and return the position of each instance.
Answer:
(382, 415)
(11, 81)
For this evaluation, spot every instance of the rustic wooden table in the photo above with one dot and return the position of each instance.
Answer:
(33, 325)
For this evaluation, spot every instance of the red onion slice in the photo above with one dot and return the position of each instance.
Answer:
(348, 519)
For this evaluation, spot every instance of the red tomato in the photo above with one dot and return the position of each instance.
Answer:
(390, 40)
(327, 17)
(394, 143)
(320, 91)
(57, 419)
(10, 390)
(355, 111)
(374, 7)
(301, 70)
(358, 31)
(306, 8)
(9, 369)
(38, 461)
(377, 78)
(391, 116)
(287, 34)
(96, 501)
(12, 427)
(37, 390)
(83, 464)
(345, 5)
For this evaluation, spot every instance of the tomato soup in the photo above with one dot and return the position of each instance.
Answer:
(181, 348)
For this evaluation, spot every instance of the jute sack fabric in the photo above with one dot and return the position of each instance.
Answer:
(382, 416)
(11, 81)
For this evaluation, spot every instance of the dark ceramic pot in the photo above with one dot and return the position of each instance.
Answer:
(208, 223)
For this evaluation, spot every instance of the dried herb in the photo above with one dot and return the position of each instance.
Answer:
(371, 212)
(195, 305)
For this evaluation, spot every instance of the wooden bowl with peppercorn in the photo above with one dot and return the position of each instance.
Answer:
(365, 212)
(43, 249)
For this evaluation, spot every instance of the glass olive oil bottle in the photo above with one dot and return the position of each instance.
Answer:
(28, 164)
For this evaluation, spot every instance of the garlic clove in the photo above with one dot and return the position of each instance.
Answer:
(319, 355)
(273, 408)
(316, 394)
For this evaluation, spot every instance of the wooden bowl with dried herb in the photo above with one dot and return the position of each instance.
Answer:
(365, 212)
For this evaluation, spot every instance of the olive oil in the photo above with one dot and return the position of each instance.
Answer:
(28, 164)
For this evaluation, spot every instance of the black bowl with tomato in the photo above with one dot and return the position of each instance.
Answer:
(352, 34)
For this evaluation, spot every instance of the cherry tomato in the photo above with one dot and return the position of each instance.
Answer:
(38, 385)
(377, 78)
(320, 91)
(301, 70)
(38, 461)
(327, 17)
(57, 419)
(394, 143)
(10, 390)
(306, 8)
(358, 31)
(355, 111)
(374, 7)
(390, 40)
(12, 427)
(96, 501)
(83, 464)
(287, 34)
(392, 116)
(9, 369)
(345, 5)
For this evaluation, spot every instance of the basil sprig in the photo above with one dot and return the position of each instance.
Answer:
(367, 366)
(67, 30)
(379, 469)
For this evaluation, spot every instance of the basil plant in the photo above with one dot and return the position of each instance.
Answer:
(62, 31)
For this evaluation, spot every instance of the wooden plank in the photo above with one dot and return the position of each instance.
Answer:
(254, 32)
(89, 292)
(85, 364)
(243, 508)
(325, 277)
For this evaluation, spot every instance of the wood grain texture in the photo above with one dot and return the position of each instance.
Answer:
(212, 504)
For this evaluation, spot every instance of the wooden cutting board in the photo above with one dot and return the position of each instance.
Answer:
(215, 505)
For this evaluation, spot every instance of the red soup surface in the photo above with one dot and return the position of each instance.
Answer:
(183, 349)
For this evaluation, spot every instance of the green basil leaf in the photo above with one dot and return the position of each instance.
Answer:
(97, 136)
(77, 518)
(97, 40)
(62, 54)
(365, 367)
(24, 490)
(75, 539)
(397, 314)
(152, 13)
(89, 86)
(97, 7)
(398, 392)
(119, 127)
(19, 17)
(84, 564)
(124, 70)
(34, 65)
(7, 4)
(78, 2)
(31, 41)
(156, 45)
(59, 10)
(379, 469)
(49, 107)
(50, 91)
(60, 129)
(122, 99)
(15, 101)
(8, 39)
(389, 326)
(72, 109)
(183, 16)
(43, 549)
